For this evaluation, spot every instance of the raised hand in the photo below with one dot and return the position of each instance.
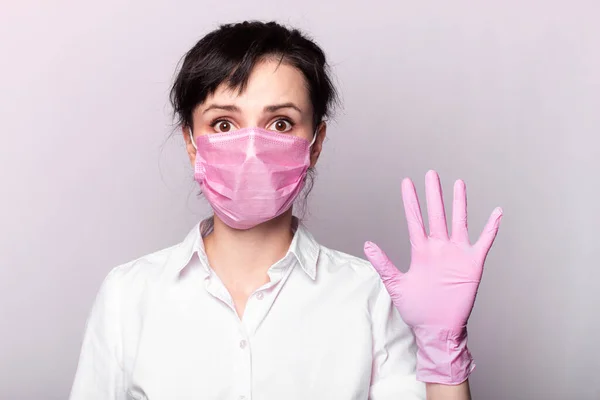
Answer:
(435, 297)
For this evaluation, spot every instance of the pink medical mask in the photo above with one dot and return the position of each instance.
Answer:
(251, 175)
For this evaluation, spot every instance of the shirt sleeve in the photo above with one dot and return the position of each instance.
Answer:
(99, 374)
(394, 354)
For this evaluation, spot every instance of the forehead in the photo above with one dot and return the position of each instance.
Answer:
(270, 82)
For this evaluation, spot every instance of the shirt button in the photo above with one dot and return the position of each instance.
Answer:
(260, 295)
(243, 344)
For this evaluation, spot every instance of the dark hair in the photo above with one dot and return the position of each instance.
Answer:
(230, 53)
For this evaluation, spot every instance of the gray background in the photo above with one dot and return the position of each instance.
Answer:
(504, 94)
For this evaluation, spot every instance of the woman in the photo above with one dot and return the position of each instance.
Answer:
(249, 305)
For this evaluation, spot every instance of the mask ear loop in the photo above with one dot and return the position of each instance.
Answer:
(192, 138)
(314, 139)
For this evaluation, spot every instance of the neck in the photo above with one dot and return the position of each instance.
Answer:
(248, 254)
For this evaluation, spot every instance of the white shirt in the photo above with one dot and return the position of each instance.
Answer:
(164, 327)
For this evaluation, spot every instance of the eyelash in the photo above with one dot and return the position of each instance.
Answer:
(214, 122)
(289, 121)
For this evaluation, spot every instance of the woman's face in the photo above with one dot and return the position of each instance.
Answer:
(276, 98)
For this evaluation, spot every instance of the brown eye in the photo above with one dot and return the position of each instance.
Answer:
(281, 125)
(223, 126)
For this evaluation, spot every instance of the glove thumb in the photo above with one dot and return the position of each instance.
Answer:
(382, 264)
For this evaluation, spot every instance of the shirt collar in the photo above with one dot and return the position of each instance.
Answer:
(303, 247)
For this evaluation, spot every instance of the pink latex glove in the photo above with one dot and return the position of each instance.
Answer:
(435, 297)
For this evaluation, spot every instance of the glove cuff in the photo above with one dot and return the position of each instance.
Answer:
(442, 355)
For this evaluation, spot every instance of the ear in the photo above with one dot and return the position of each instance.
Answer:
(315, 150)
(189, 146)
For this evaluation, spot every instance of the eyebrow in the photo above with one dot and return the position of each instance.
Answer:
(225, 107)
(232, 108)
(277, 107)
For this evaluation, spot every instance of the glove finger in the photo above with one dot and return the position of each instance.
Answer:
(435, 206)
(486, 239)
(460, 233)
(382, 264)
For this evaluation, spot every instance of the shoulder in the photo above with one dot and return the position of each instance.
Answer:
(349, 270)
(126, 291)
(157, 265)
(334, 261)
(146, 267)
(127, 282)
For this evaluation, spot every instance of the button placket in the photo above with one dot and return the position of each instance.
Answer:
(243, 366)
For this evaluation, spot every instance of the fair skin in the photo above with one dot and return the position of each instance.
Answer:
(276, 98)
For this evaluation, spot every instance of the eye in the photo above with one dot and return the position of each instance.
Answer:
(281, 125)
(222, 126)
